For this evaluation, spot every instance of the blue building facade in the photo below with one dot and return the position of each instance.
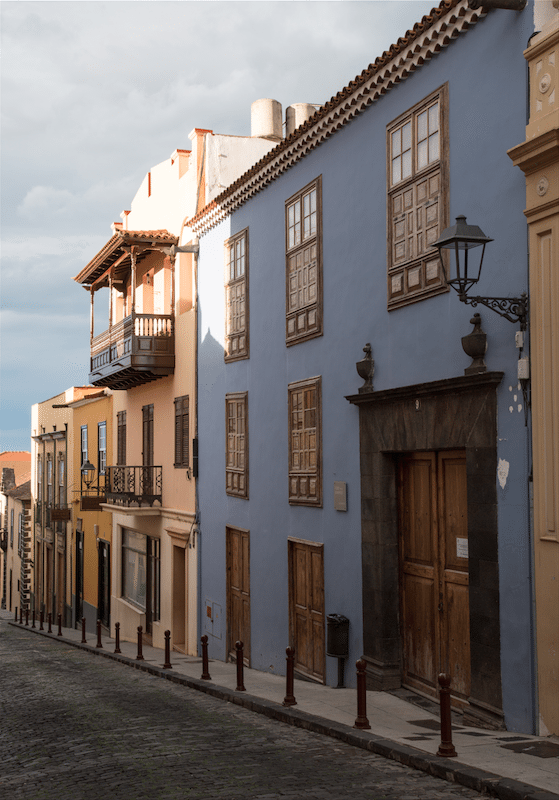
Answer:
(399, 497)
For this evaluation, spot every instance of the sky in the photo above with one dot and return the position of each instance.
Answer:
(96, 93)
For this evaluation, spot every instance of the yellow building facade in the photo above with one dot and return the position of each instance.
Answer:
(538, 157)
(92, 434)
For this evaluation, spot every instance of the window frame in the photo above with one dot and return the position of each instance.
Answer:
(20, 532)
(83, 444)
(296, 493)
(236, 283)
(102, 451)
(50, 485)
(298, 330)
(61, 481)
(415, 277)
(182, 458)
(12, 528)
(236, 476)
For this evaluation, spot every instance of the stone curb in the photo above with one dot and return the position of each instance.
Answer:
(449, 770)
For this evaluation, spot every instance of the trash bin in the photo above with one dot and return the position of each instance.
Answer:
(337, 638)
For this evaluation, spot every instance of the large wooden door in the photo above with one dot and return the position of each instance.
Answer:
(434, 597)
(306, 607)
(238, 592)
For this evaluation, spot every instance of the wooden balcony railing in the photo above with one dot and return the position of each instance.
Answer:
(127, 486)
(138, 349)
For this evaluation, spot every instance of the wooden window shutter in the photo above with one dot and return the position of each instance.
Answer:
(182, 431)
(236, 444)
(305, 480)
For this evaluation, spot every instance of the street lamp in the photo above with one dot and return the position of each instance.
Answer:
(88, 474)
(463, 272)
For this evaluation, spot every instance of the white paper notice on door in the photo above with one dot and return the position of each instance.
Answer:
(462, 548)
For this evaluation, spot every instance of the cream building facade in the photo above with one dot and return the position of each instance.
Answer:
(538, 158)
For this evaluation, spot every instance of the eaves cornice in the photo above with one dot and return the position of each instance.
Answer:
(427, 38)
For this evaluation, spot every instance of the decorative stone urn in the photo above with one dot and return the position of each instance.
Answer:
(366, 369)
(475, 346)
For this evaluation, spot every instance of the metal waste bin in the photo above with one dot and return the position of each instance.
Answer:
(337, 638)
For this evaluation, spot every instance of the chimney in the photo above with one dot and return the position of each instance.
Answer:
(266, 120)
(296, 114)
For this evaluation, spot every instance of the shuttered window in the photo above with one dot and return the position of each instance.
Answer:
(305, 482)
(417, 143)
(121, 438)
(303, 233)
(181, 431)
(236, 444)
(147, 435)
(236, 297)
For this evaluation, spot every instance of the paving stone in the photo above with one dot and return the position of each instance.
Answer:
(77, 727)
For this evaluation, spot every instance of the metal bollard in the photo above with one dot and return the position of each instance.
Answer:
(99, 642)
(117, 637)
(446, 748)
(50, 622)
(167, 664)
(27, 616)
(59, 625)
(240, 665)
(21, 616)
(140, 657)
(41, 620)
(205, 671)
(361, 721)
(33, 625)
(289, 699)
(84, 640)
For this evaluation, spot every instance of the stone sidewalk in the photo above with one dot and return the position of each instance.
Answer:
(503, 764)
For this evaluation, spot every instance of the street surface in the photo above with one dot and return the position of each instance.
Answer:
(75, 726)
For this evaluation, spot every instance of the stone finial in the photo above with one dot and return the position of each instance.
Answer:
(366, 369)
(475, 346)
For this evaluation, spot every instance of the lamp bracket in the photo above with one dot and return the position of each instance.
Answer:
(515, 309)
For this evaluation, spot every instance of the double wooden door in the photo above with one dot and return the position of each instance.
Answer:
(434, 595)
(306, 607)
(238, 592)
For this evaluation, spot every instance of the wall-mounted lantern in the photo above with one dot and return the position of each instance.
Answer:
(92, 494)
(464, 272)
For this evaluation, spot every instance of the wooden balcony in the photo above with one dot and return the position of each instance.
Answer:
(139, 349)
(134, 486)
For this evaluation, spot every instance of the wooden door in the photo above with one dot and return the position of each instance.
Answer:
(434, 596)
(306, 607)
(238, 592)
(104, 584)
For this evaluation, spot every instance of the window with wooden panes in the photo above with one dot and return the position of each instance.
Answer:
(83, 438)
(417, 199)
(61, 481)
(182, 431)
(305, 480)
(121, 438)
(303, 233)
(102, 447)
(49, 483)
(236, 297)
(236, 444)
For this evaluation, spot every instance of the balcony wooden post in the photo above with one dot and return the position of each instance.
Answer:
(110, 301)
(133, 280)
(91, 317)
(172, 260)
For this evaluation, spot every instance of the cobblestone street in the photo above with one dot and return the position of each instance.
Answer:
(74, 726)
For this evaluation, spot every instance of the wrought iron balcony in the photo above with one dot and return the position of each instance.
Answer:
(134, 486)
(139, 349)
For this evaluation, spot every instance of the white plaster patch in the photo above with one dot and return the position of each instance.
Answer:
(511, 409)
(519, 408)
(503, 472)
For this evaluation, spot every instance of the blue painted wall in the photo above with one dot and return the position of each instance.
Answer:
(486, 75)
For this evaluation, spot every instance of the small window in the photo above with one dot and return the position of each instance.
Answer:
(84, 444)
(303, 233)
(40, 480)
(182, 431)
(49, 483)
(121, 438)
(236, 445)
(417, 200)
(236, 297)
(305, 481)
(11, 527)
(102, 447)
(61, 481)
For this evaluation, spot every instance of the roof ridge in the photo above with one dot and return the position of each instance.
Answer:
(443, 24)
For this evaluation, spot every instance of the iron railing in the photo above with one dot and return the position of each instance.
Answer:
(140, 485)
